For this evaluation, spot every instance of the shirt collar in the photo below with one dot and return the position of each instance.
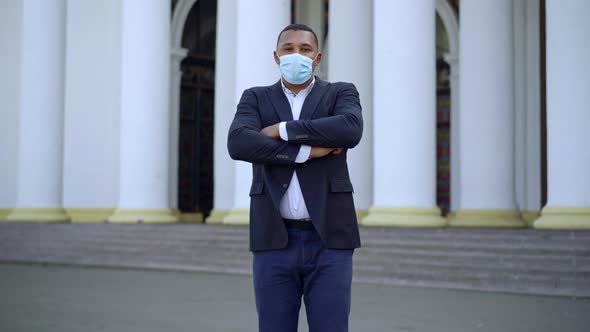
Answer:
(304, 91)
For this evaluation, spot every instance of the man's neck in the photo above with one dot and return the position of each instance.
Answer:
(296, 88)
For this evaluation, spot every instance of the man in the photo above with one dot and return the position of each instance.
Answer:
(303, 227)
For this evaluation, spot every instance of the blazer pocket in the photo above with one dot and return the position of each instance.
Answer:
(257, 188)
(341, 186)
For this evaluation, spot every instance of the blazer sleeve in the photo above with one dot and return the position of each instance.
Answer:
(341, 130)
(246, 143)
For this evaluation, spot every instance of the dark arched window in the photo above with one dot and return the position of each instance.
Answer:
(195, 166)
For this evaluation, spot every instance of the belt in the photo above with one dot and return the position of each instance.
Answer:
(304, 224)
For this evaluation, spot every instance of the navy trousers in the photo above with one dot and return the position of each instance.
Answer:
(304, 269)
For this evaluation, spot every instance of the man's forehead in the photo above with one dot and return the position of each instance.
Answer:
(296, 37)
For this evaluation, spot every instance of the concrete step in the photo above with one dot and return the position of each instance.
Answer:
(236, 237)
(239, 241)
(509, 260)
(528, 261)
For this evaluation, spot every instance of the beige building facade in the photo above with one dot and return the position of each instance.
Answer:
(477, 112)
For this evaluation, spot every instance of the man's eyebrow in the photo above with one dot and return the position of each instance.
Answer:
(291, 44)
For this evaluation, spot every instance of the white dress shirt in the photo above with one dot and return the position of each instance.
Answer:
(292, 204)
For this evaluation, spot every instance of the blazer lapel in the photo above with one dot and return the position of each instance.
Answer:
(313, 99)
(280, 102)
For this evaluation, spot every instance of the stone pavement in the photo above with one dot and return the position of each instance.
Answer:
(51, 298)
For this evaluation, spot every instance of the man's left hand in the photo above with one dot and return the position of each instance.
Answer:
(272, 131)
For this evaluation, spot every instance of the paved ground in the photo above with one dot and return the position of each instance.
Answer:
(73, 299)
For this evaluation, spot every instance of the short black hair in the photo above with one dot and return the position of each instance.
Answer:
(299, 27)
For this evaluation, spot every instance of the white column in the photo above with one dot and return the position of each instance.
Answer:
(313, 14)
(257, 30)
(486, 120)
(177, 54)
(145, 70)
(453, 62)
(350, 23)
(527, 109)
(519, 74)
(451, 23)
(176, 57)
(10, 60)
(40, 138)
(404, 115)
(92, 108)
(568, 118)
(532, 205)
(225, 108)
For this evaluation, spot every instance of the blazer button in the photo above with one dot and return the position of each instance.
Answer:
(285, 186)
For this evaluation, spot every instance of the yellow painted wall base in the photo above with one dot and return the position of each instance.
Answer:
(191, 218)
(361, 214)
(4, 213)
(216, 216)
(38, 215)
(564, 218)
(237, 217)
(487, 218)
(530, 217)
(403, 217)
(89, 215)
(144, 216)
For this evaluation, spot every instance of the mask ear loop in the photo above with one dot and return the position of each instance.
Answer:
(314, 59)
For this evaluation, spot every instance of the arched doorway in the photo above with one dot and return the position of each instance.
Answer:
(193, 105)
(447, 79)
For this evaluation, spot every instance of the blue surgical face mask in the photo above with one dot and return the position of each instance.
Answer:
(296, 68)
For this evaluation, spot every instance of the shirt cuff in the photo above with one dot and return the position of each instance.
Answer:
(283, 131)
(303, 155)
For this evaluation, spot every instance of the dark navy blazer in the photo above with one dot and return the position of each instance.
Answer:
(330, 117)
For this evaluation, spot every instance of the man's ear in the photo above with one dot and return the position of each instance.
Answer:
(318, 59)
(277, 60)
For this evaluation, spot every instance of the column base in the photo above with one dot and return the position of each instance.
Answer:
(190, 218)
(487, 218)
(216, 216)
(237, 217)
(88, 215)
(38, 215)
(163, 216)
(361, 214)
(4, 213)
(404, 217)
(564, 218)
(530, 217)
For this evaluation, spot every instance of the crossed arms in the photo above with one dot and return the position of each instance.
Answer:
(248, 141)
